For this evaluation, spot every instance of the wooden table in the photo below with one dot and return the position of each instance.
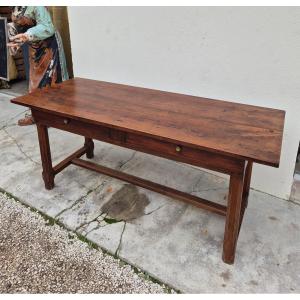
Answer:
(217, 135)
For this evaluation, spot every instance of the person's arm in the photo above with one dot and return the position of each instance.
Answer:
(44, 27)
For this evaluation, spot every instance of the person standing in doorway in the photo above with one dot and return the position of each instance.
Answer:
(47, 63)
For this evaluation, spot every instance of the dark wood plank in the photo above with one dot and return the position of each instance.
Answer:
(238, 130)
(167, 191)
(246, 189)
(89, 145)
(67, 161)
(48, 172)
(247, 181)
(234, 216)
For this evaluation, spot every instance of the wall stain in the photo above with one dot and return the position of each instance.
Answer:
(273, 218)
(126, 204)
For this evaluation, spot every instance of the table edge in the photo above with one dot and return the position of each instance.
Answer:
(274, 164)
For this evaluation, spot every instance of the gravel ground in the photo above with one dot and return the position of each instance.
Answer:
(38, 258)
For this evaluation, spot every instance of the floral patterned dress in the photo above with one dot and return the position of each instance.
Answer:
(46, 55)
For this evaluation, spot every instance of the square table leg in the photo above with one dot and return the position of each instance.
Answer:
(233, 217)
(48, 172)
(89, 144)
(247, 181)
(246, 189)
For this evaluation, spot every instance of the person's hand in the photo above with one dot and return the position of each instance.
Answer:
(20, 38)
(12, 44)
(16, 42)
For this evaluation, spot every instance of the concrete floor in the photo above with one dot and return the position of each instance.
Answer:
(177, 243)
(37, 257)
(17, 87)
(295, 194)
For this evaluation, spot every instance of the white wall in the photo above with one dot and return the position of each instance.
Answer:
(248, 55)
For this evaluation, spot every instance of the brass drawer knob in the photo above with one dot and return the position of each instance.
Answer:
(178, 149)
(66, 121)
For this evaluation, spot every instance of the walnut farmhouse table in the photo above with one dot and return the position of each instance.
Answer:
(218, 135)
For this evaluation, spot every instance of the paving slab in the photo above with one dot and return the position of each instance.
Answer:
(179, 244)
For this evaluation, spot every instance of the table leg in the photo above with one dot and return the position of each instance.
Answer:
(233, 214)
(48, 172)
(247, 181)
(89, 144)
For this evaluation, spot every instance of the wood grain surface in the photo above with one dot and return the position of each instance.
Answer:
(238, 130)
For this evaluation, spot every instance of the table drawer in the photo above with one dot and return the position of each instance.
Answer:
(72, 125)
(139, 142)
(178, 152)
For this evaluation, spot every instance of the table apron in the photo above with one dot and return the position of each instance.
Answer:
(173, 151)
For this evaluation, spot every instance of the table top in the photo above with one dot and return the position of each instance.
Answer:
(242, 131)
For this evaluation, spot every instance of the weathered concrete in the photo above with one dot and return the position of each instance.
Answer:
(36, 258)
(175, 242)
(295, 194)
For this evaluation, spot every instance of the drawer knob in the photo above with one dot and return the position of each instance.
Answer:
(66, 121)
(178, 149)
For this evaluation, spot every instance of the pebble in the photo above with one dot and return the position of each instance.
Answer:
(36, 258)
